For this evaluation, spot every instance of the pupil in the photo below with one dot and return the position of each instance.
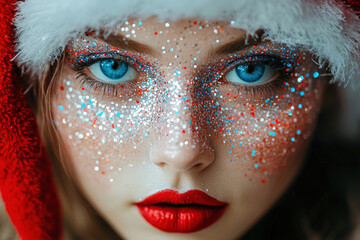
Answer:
(115, 65)
(251, 68)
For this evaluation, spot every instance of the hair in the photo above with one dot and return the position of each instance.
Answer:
(316, 206)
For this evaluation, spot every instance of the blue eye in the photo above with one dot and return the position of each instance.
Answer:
(251, 73)
(113, 71)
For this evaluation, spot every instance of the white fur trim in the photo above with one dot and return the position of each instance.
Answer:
(324, 27)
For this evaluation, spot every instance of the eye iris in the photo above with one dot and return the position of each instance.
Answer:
(250, 72)
(113, 69)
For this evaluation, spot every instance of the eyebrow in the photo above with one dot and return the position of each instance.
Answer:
(240, 43)
(124, 43)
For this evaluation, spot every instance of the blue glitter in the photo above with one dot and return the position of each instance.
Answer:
(298, 132)
(300, 106)
(61, 108)
(290, 113)
(307, 75)
(140, 23)
(146, 134)
(272, 134)
(256, 166)
(293, 139)
(229, 151)
(292, 89)
(316, 74)
(253, 152)
(302, 93)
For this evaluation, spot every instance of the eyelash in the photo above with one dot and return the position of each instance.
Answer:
(108, 89)
(265, 90)
(112, 90)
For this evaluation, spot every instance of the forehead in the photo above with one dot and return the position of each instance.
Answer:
(184, 34)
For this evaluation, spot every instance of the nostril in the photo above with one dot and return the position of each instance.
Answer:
(198, 166)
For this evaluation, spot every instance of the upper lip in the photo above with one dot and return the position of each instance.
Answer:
(169, 196)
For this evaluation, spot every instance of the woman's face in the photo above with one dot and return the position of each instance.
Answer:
(184, 106)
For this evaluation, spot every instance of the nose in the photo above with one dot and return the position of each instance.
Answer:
(182, 155)
(181, 143)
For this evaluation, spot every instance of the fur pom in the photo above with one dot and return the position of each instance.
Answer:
(325, 27)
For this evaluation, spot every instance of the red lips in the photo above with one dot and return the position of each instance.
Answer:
(187, 212)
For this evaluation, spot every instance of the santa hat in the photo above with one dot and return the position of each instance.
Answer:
(328, 28)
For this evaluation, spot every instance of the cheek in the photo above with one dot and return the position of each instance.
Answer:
(102, 136)
(269, 135)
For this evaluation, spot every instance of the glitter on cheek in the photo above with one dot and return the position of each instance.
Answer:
(111, 126)
(271, 129)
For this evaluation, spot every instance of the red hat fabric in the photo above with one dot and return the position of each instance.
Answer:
(26, 179)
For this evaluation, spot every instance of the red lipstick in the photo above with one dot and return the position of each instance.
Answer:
(171, 211)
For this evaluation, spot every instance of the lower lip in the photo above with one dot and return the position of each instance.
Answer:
(182, 218)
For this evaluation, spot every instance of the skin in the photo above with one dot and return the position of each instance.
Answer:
(244, 150)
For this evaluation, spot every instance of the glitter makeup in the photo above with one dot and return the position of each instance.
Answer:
(256, 122)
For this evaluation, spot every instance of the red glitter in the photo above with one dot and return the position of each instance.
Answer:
(195, 22)
(112, 125)
(137, 101)
(62, 88)
(155, 33)
(184, 67)
(183, 131)
(262, 180)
